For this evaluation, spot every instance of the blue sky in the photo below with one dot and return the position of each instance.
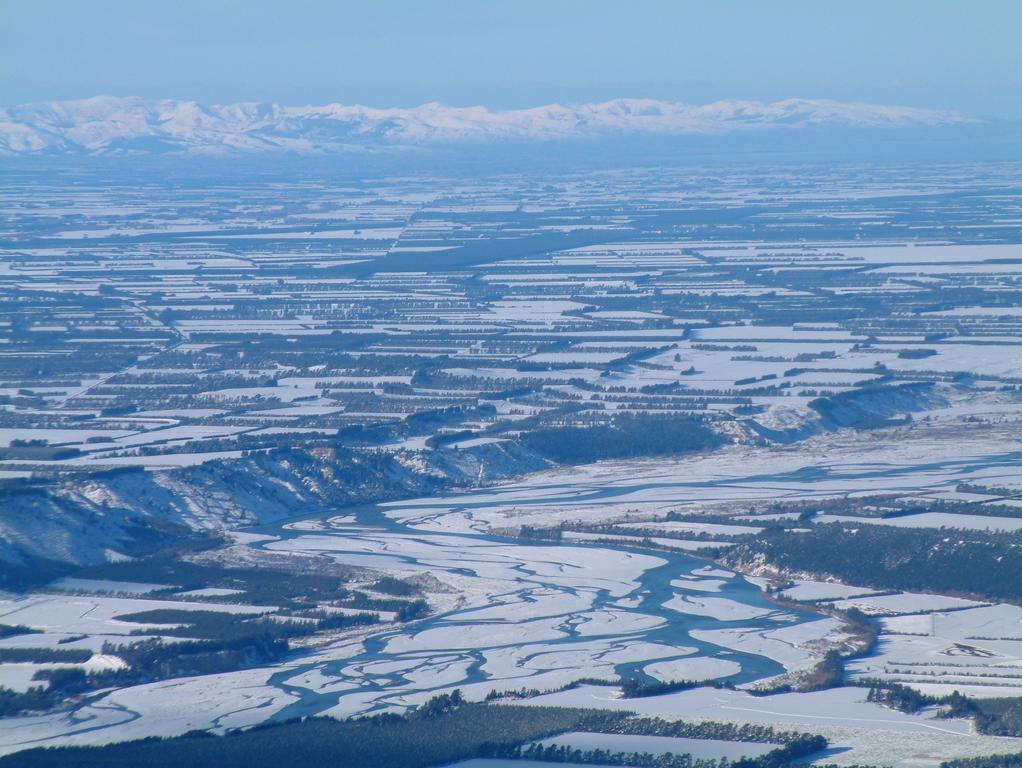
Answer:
(959, 55)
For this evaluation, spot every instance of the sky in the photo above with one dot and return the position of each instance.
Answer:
(516, 53)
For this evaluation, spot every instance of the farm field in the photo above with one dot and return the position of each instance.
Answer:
(713, 445)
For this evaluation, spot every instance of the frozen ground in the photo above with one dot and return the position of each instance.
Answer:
(712, 318)
(823, 590)
(95, 615)
(923, 460)
(975, 649)
(712, 749)
(859, 732)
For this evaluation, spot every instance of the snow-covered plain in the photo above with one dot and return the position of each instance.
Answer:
(664, 315)
(860, 733)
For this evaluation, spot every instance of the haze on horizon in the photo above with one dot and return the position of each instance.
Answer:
(940, 55)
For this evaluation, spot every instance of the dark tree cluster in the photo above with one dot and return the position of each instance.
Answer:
(628, 436)
(977, 563)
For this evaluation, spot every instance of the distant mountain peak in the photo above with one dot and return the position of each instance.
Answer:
(110, 125)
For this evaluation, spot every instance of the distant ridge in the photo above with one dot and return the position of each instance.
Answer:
(107, 125)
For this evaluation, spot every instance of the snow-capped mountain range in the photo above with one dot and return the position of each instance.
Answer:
(107, 125)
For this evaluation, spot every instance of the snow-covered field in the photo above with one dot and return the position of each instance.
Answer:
(975, 649)
(859, 732)
(923, 460)
(852, 332)
(712, 749)
(95, 615)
